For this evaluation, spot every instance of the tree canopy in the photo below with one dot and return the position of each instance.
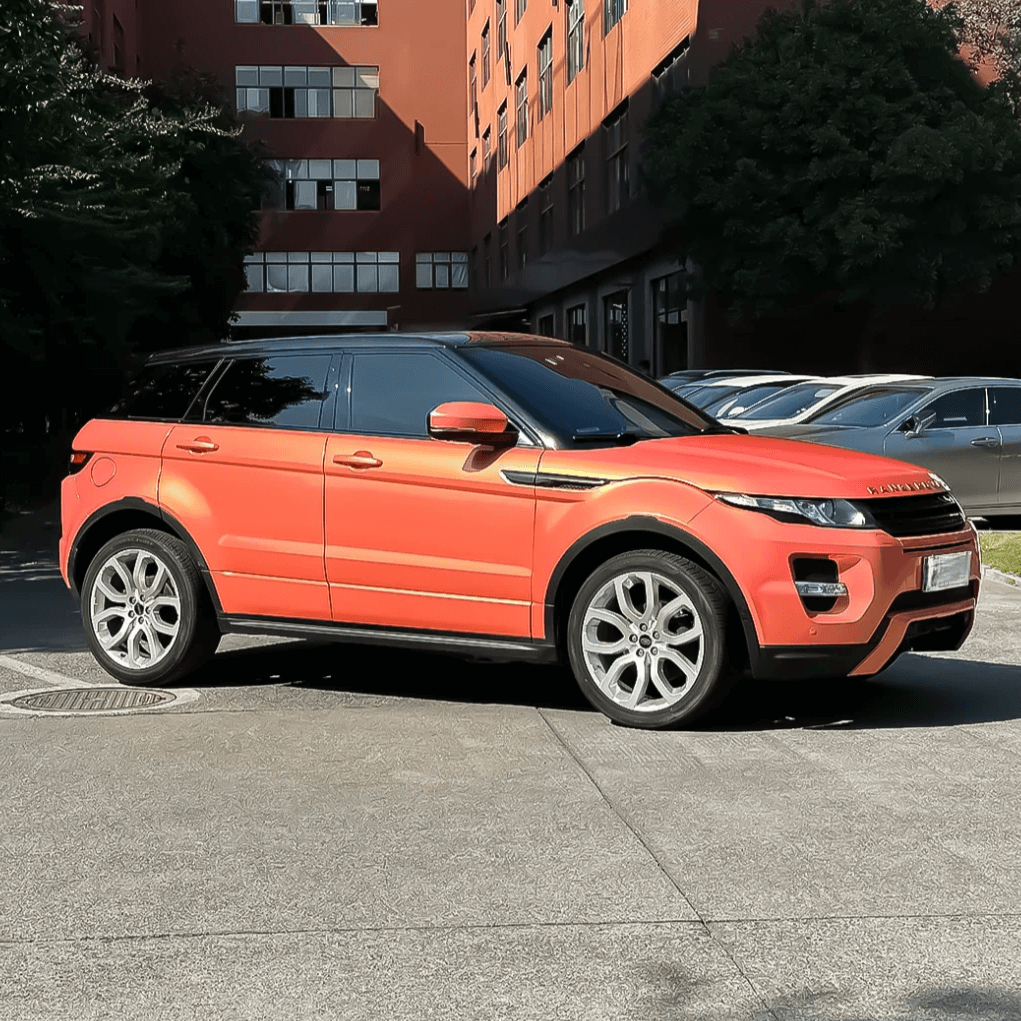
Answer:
(845, 152)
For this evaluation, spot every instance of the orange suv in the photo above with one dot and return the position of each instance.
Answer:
(502, 496)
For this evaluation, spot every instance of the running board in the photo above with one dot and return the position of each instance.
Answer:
(425, 641)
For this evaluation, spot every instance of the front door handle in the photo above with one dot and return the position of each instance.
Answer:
(359, 459)
(199, 445)
(986, 441)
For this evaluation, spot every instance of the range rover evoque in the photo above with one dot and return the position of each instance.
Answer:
(502, 496)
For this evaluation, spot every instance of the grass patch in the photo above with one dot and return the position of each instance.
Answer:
(1002, 550)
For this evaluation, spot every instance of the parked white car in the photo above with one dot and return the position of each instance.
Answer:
(798, 402)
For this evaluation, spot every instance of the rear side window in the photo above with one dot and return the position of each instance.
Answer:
(285, 391)
(162, 392)
(1005, 405)
(958, 410)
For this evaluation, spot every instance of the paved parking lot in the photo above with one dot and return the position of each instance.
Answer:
(317, 831)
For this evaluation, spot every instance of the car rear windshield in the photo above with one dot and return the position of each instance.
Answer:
(867, 409)
(162, 392)
(584, 398)
(790, 402)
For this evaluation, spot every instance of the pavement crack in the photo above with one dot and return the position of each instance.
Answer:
(566, 745)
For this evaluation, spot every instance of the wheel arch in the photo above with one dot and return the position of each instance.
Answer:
(121, 516)
(633, 533)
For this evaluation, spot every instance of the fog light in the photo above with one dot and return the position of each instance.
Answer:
(821, 589)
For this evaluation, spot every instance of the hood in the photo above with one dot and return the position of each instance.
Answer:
(757, 465)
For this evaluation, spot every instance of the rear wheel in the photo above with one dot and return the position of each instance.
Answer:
(146, 613)
(646, 638)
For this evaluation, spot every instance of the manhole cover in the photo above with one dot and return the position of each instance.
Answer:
(92, 700)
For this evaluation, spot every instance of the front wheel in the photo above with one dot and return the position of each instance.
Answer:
(146, 613)
(646, 637)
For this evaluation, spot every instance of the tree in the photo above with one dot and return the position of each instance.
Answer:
(844, 154)
(992, 28)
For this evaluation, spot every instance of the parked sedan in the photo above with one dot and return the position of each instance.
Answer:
(797, 403)
(966, 429)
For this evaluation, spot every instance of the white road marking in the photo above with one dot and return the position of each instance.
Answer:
(48, 676)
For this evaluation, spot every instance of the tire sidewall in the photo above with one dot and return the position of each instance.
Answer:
(713, 626)
(168, 667)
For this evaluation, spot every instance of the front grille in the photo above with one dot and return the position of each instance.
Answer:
(927, 514)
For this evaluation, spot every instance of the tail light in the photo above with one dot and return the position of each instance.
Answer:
(79, 459)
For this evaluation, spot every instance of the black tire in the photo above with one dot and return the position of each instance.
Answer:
(197, 634)
(714, 678)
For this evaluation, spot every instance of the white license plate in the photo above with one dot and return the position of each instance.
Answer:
(946, 570)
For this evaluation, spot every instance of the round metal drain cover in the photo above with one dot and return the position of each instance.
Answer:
(92, 700)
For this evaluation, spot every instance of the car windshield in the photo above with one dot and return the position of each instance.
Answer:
(584, 398)
(867, 410)
(710, 395)
(790, 402)
(734, 403)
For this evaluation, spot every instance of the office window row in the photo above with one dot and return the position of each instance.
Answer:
(323, 272)
(441, 270)
(344, 13)
(293, 91)
(324, 185)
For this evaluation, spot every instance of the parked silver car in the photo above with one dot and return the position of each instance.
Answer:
(965, 429)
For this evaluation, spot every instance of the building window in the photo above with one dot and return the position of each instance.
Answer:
(276, 91)
(522, 104)
(547, 326)
(306, 12)
(669, 325)
(487, 259)
(473, 93)
(577, 330)
(546, 74)
(323, 272)
(575, 38)
(615, 318)
(486, 66)
(324, 185)
(671, 74)
(521, 222)
(519, 9)
(502, 156)
(118, 46)
(501, 28)
(473, 166)
(576, 192)
(617, 172)
(546, 215)
(487, 149)
(614, 12)
(504, 261)
(441, 270)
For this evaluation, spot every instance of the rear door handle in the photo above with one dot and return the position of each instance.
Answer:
(986, 441)
(359, 459)
(199, 445)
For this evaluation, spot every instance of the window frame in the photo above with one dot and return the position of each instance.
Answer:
(521, 232)
(502, 147)
(521, 108)
(487, 67)
(575, 38)
(618, 191)
(545, 73)
(576, 191)
(546, 214)
(613, 11)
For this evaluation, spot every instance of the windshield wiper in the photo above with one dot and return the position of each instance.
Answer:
(623, 438)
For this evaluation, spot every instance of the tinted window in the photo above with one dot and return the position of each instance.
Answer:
(959, 409)
(583, 397)
(162, 391)
(792, 401)
(392, 394)
(285, 391)
(1005, 405)
(743, 400)
(868, 409)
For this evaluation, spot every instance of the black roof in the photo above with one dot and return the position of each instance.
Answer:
(353, 341)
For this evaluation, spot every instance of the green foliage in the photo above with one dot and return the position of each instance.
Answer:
(844, 154)
(125, 216)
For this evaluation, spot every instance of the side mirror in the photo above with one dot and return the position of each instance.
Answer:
(917, 424)
(471, 422)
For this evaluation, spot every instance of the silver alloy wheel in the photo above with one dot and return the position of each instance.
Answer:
(643, 641)
(135, 609)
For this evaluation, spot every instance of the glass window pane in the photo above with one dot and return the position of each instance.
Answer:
(319, 102)
(343, 279)
(297, 278)
(253, 274)
(365, 103)
(276, 277)
(368, 280)
(320, 170)
(388, 256)
(344, 77)
(344, 169)
(258, 101)
(392, 394)
(442, 275)
(286, 391)
(423, 275)
(297, 256)
(459, 257)
(343, 256)
(368, 77)
(345, 195)
(295, 75)
(270, 76)
(1005, 405)
(305, 195)
(319, 77)
(276, 257)
(301, 102)
(960, 409)
(322, 277)
(459, 275)
(297, 170)
(366, 256)
(322, 257)
(423, 257)
(343, 103)
(241, 100)
(246, 75)
(162, 391)
(368, 170)
(389, 277)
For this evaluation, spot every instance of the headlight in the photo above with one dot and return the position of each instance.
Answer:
(829, 513)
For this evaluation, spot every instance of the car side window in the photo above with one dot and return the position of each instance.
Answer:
(957, 410)
(162, 392)
(393, 393)
(285, 391)
(1005, 405)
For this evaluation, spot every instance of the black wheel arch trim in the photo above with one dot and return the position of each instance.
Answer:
(641, 523)
(135, 503)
